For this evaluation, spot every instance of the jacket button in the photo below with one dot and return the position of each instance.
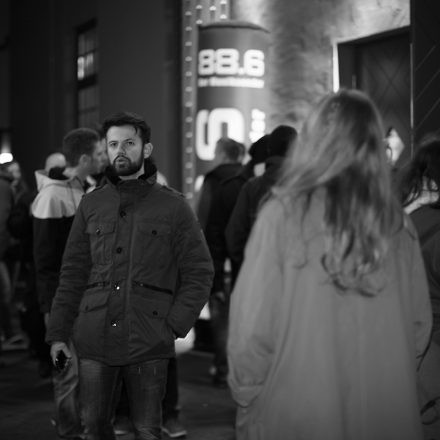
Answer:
(98, 231)
(122, 214)
(116, 286)
(114, 323)
(118, 250)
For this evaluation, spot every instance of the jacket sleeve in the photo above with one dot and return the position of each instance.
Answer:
(75, 271)
(254, 309)
(195, 270)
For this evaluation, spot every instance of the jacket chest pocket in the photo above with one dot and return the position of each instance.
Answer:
(153, 246)
(101, 240)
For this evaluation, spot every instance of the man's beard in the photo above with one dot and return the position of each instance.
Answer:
(125, 166)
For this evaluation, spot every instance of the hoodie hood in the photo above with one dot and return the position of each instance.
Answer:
(58, 196)
(55, 176)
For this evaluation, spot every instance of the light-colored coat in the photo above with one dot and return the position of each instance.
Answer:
(309, 362)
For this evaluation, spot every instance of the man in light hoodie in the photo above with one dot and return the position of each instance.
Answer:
(60, 192)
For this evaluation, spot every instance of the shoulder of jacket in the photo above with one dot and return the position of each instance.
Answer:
(49, 203)
(171, 191)
(97, 189)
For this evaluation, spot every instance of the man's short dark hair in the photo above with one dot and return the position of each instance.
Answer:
(233, 150)
(78, 142)
(128, 118)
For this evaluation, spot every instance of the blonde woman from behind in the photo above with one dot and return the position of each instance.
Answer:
(330, 314)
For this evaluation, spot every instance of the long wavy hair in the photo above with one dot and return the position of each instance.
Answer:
(422, 174)
(341, 150)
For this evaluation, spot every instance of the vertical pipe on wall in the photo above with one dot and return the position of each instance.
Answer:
(194, 13)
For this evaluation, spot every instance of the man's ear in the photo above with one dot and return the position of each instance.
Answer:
(84, 159)
(148, 149)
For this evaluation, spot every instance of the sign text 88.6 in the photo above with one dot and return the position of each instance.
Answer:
(226, 61)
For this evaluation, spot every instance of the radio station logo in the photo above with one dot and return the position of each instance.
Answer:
(226, 67)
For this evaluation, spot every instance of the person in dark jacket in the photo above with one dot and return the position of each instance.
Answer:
(7, 201)
(253, 192)
(135, 275)
(227, 162)
(222, 209)
(53, 209)
(420, 195)
(223, 201)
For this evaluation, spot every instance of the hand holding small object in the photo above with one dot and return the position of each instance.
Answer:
(60, 355)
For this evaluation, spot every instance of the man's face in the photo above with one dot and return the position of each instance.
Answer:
(126, 151)
(99, 158)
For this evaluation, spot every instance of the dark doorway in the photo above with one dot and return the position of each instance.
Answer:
(380, 66)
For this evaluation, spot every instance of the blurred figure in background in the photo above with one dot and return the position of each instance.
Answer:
(395, 145)
(14, 254)
(18, 184)
(54, 160)
(98, 177)
(420, 186)
(229, 155)
(60, 192)
(227, 162)
(6, 204)
(20, 227)
(253, 192)
(330, 314)
(223, 206)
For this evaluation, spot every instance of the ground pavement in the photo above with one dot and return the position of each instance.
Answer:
(26, 404)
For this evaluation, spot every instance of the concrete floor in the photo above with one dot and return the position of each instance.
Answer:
(26, 400)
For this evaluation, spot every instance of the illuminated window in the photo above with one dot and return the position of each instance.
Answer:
(87, 76)
(87, 53)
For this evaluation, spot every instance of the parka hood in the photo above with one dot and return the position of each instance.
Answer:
(55, 176)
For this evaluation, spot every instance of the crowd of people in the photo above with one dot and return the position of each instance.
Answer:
(317, 257)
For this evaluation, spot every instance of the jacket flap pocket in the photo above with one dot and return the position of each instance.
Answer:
(100, 228)
(154, 302)
(93, 301)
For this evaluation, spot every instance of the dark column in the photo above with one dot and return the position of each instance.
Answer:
(425, 27)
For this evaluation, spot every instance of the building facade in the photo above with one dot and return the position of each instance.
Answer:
(71, 63)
